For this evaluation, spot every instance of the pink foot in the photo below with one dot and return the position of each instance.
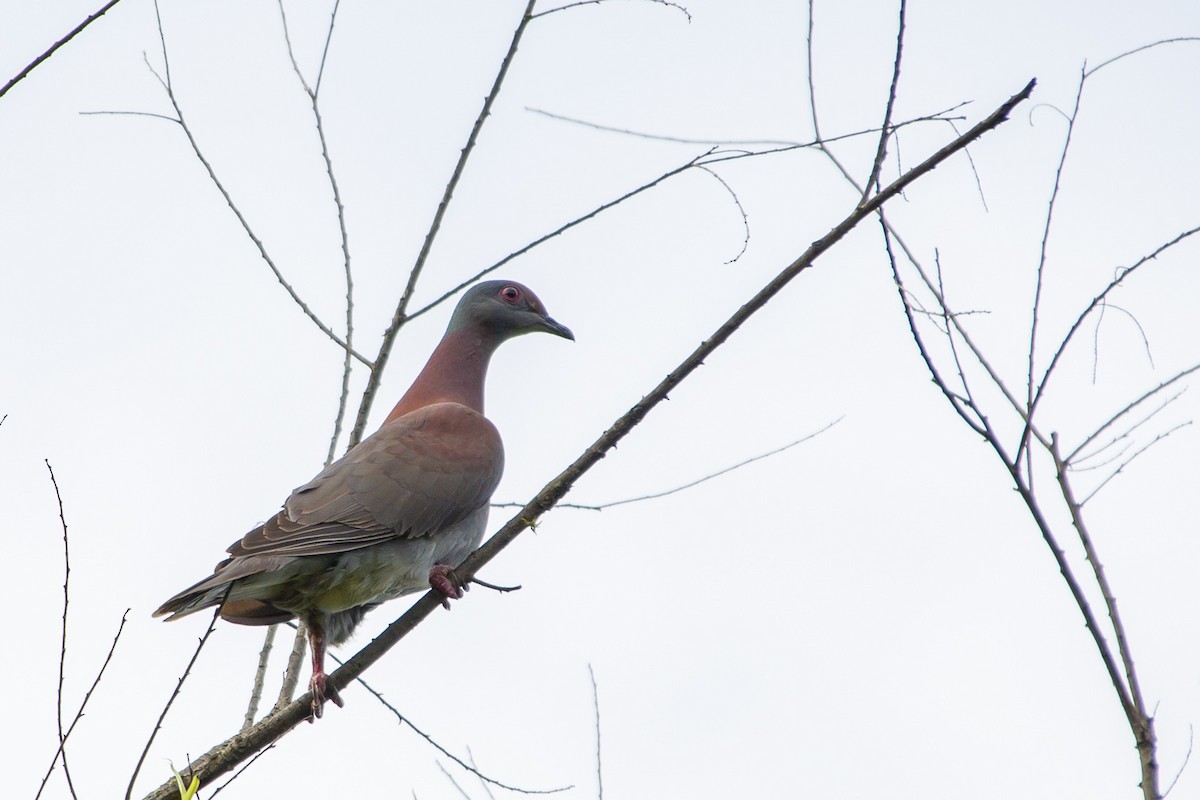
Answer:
(442, 578)
(321, 691)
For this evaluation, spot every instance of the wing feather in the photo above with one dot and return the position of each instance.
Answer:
(417, 475)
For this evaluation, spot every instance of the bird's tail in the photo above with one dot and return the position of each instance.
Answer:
(221, 590)
(195, 598)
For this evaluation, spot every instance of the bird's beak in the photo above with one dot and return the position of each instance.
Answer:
(558, 329)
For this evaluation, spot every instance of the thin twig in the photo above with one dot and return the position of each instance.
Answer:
(1140, 721)
(486, 789)
(776, 145)
(291, 674)
(399, 316)
(325, 50)
(260, 678)
(689, 484)
(242, 769)
(557, 231)
(578, 3)
(129, 114)
(1122, 275)
(596, 708)
(1030, 389)
(403, 720)
(212, 626)
(1134, 51)
(54, 47)
(963, 406)
(228, 754)
(1089, 461)
(165, 80)
(971, 164)
(62, 653)
(925, 279)
(1186, 758)
(1132, 456)
(453, 782)
(1130, 407)
(88, 696)
(741, 210)
(1096, 336)
(347, 364)
(881, 149)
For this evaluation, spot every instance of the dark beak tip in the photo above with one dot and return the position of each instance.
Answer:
(558, 329)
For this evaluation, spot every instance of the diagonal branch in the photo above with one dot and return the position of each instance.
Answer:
(54, 47)
(559, 230)
(83, 705)
(228, 754)
(399, 316)
(1132, 405)
(1130, 693)
(689, 484)
(886, 127)
(165, 80)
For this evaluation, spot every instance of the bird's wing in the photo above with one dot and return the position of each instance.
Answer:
(415, 476)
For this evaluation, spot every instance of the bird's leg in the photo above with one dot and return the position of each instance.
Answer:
(318, 685)
(442, 578)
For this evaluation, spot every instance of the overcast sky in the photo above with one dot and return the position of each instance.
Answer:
(869, 614)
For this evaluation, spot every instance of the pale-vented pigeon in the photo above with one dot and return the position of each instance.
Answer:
(393, 515)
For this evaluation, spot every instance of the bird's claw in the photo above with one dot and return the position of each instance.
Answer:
(322, 690)
(442, 578)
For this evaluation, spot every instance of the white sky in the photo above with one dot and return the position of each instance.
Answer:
(871, 614)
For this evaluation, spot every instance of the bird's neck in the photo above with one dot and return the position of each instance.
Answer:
(455, 373)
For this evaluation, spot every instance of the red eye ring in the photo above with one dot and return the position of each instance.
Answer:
(511, 293)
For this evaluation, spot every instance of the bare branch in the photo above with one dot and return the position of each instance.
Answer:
(453, 782)
(1129, 460)
(1041, 268)
(347, 364)
(291, 675)
(690, 484)
(963, 406)
(1096, 301)
(399, 316)
(1186, 758)
(1143, 48)
(226, 755)
(596, 707)
(884, 129)
(776, 145)
(578, 3)
(741, 210)
(1130, 693)
(212, 626)
(1096, 335)
(1146, 396)
(970, 163)
(88, 696)
(54, 47)
(62, 653)
(560, 229)
(325, 50)
(242, 769)
(165, 79)
(403, 720)
(260, 677)
(129, 114)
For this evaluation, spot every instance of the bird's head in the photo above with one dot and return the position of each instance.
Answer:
(500, 310)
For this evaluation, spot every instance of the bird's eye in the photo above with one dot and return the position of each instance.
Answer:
(511, 293)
